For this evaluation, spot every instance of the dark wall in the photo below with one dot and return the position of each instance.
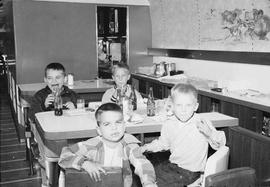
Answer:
(47, 32)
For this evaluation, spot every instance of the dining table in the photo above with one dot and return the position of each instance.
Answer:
(54, 132)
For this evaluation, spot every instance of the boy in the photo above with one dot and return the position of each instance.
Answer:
(186, 135)
(43, 100)
(54, 78)
(120, 75)
(112, 148)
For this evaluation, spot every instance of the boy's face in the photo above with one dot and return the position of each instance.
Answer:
(120, 77)
(54, 79)
(111, 126)
(184, 105)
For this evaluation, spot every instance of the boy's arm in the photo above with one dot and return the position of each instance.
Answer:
(109, 96)
(39, 102)
(160, 144)
(143, 167)
(74, 97)
(215, 138)
(138, 96)
(73, 156)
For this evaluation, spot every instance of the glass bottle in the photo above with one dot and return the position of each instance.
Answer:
(266, 126)
(133, 98)
(58, 104)
(150, 103)
(119, 98)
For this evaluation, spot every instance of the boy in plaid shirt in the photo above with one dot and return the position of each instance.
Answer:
(112, 148)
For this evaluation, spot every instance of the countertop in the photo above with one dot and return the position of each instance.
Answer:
(64, 127)
(79, 86)
(260, 101)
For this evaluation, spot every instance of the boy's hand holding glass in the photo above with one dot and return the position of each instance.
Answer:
(93, 169)
(49, 100)
(204, 128)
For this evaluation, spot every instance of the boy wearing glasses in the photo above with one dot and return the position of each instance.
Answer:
(112, 148)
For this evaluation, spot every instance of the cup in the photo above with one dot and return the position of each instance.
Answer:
(160, 109)
(80, 103)
(94, 105)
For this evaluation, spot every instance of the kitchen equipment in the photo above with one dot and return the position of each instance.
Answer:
(170, 68)
(160, 69)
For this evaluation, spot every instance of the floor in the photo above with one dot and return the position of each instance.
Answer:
(14, 170)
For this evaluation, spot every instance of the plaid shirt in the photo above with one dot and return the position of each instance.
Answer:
(93, 150)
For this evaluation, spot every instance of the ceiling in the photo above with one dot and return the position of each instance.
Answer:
(109, 2)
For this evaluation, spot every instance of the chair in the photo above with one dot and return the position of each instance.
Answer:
(237, 177)
(72, 177)
(32, 152)
(217, 162)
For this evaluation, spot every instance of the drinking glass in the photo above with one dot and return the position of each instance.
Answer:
(80, 103)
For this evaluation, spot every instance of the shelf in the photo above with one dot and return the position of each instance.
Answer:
(261, 58)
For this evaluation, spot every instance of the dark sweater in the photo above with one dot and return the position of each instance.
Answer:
(37, 104)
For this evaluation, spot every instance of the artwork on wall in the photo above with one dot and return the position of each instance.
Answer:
(231, 25)
(234, 25)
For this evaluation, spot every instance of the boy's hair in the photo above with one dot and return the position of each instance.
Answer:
(120, 65)
(107, 107)
(55, 66)
(184, 88)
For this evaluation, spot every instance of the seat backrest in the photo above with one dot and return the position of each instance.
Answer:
(217, 162)
(75, 178)
(237, 177)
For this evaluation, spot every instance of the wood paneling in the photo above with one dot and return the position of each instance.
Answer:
(248, 148)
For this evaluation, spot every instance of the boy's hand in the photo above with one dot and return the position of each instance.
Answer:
(142, 149)
(69, 105)
(115, 94)
(49, 100)
(151, 185)
(204, 128)
(93, 169)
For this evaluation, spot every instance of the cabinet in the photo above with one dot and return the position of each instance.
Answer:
(111, 21)
(143, 85)
(250, 149)
(250, 115)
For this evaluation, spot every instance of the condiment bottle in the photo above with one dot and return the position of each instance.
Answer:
(150, 103)
(119, 98)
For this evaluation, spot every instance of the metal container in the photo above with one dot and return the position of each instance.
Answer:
(160, 69)
(170, 67)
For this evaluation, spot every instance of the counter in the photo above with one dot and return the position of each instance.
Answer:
(79, 86)
(260, 102)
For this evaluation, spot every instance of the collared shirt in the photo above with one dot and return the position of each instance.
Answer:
(188, 146)
(94, 150)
